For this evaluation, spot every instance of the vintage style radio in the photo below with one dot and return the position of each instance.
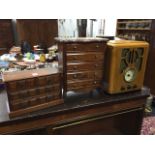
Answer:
(125, 63)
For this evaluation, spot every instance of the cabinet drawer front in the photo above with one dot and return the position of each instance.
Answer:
(86, 57)
(80, 85)
(21, 95)
(85, 47)
(17, 96)
(47, 80)
(34, 93)
(96, 125)
(53, 79)
(13, 97)
(103, 123)
(54, 88)
(75, 67)
(41, 81)
(12, 86)
(97, 75)
(21, 104)
(32, 83)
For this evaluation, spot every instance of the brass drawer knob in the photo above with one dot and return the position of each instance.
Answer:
(75, 76)
(75, 67)
(75, 47)
(95, 82)
(97, 46)
(96, 65)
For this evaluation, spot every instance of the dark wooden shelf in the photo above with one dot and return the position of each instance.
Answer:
(143, 21)
(81, 113)
(135, 29)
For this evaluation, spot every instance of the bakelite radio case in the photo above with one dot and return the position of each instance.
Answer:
(125, 63)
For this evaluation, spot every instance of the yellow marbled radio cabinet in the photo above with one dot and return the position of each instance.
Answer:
(125, 63)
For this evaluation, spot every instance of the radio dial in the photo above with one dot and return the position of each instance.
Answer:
(130, 75)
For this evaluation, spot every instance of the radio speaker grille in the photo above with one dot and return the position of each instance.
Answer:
(131, 56)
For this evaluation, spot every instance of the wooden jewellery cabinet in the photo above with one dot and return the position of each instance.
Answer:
(81, 62)
(32, 90)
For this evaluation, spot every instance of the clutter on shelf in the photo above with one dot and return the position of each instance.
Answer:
(25, 58)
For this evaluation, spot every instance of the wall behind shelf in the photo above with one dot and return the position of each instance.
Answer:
(68, 27)
(110, 27)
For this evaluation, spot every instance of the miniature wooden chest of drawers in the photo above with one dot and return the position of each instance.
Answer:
(81, 61)
(33, 90)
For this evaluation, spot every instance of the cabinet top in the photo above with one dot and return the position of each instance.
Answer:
(20, 75)
(81, 39)
(128, 43)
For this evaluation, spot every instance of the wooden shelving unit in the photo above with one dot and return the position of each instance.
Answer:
(142, 30)
(134, 21)
(133, 29)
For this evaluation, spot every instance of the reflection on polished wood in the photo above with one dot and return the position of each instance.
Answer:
(81, 113)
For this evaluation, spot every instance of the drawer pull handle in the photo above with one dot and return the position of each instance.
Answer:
(95, 82)
(97, 46)
(75, 47)
(87, 120)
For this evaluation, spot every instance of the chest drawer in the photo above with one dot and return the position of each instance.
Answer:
(97, 75)
(22, 95)
(75, 67)
(48, 80)
(86, 57)
(31, 101)
(87, 47)
(33, 83)
(83, 84)
(83, 60)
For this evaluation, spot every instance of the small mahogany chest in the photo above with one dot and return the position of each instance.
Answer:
(33, 90)
(81, 61)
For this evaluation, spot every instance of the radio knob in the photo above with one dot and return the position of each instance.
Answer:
(128, 87)
(122, 88)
